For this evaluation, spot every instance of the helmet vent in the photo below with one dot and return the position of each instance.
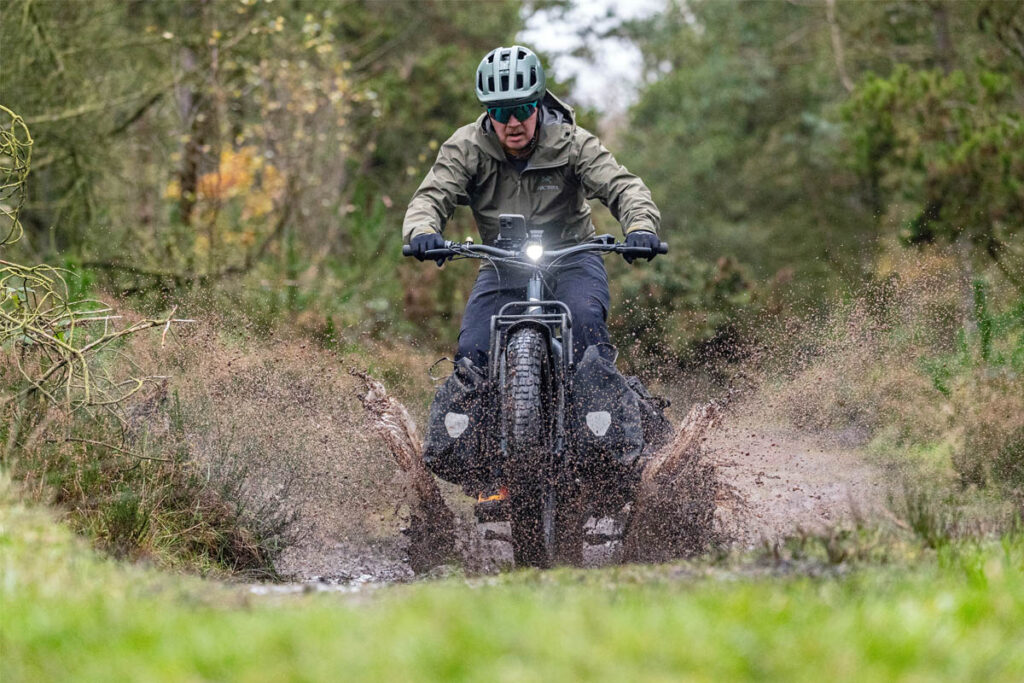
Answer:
(519, 81)
(504, 82)
(533, 76)
(490, 83)
(479, 82)
(521, 54)
(490, 58)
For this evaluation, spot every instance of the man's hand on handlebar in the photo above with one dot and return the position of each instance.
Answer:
(421, 244)
(644, 239)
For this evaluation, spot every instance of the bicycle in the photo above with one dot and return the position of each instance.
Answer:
(531, 366)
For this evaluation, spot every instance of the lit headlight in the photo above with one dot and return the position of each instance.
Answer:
(534, 251)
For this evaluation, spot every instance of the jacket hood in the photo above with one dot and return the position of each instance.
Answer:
(557, 124)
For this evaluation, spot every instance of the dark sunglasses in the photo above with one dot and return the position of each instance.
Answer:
(520, 111)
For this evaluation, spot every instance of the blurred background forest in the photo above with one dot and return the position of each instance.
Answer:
(254, 158)
(842, 184)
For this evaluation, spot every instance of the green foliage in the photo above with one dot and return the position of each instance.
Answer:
(982, 378)
(935, 521)
(732, 133)
(994, 345)
(677, 307)
(221, 149)
(756, 150)
(950, 146)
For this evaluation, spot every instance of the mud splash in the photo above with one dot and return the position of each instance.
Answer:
(674, 515)
(431, 529)
(285, 413)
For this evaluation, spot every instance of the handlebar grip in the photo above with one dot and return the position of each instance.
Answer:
(642, 252)
(431, 255)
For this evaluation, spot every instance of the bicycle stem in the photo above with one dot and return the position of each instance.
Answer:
(534, 291)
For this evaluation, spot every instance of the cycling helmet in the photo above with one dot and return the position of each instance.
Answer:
(509, 75)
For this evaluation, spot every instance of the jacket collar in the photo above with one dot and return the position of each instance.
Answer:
(556, 128)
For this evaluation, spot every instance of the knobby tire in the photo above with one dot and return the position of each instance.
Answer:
(528, 435)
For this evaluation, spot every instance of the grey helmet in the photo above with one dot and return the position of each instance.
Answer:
(509, 75)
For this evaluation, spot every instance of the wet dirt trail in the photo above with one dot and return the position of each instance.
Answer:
(786, 481)
(776, 481)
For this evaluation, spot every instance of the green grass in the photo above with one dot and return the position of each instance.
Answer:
(68, 614)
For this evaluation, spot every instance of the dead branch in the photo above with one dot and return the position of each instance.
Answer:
(837, 45)
(433, 524)
(674, 512)
(52, 338)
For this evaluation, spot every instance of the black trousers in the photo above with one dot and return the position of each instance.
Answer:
(580, 282)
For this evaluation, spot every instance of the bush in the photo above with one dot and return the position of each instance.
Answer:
(243, 449)
(677, 308)
(139, 494)
(989, 408)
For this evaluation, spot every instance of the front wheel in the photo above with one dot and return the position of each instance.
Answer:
(528, 439)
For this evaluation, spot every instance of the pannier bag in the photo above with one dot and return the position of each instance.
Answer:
(606, 415)
(456, 432)
(657, 428)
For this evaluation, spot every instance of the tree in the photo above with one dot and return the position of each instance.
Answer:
(196, 142)
(948, 140)
(732, 131)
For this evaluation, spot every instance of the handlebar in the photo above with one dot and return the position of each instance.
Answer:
(604, 243)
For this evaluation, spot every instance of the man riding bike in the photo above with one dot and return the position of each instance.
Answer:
(526, 155)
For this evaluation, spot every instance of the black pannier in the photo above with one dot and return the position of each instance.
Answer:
(657, 428)
(457, 429)
(605, 415)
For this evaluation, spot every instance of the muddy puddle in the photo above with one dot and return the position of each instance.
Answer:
(486, 548)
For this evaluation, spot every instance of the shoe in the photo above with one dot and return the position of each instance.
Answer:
(491, 505)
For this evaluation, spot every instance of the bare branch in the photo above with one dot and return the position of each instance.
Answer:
(837, 45)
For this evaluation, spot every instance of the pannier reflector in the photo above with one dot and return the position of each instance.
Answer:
(455, 424)
(599, 421)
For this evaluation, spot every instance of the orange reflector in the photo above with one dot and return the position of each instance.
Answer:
(502, 494)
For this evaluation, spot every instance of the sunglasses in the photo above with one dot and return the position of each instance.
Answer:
(520, 111)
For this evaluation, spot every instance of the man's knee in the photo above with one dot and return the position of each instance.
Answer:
(589, 312)
(473, 344)
(589, 325)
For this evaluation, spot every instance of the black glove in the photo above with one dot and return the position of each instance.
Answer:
(642, 238)
(429, 241)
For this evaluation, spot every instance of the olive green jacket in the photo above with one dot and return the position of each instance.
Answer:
(568, 166)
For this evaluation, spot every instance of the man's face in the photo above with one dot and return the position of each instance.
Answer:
(515, 135)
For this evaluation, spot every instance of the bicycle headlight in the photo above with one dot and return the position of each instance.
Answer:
(534, 251)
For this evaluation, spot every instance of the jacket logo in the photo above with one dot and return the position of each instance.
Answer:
(547, 184)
